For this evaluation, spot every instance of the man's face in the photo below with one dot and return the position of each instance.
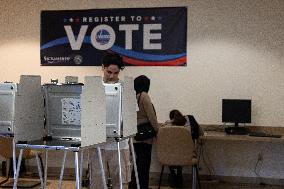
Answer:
(111, 73)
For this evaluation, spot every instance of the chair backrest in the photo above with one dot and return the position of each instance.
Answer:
(175, 146)
(6, 149)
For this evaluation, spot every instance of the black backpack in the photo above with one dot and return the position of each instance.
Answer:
(194, 127)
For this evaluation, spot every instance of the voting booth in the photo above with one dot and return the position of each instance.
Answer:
(29, 109)
(7, 107)
(95, 110)
(21, 107)
(108, 110)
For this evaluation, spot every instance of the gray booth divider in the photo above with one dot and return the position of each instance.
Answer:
(129, 108)
(7, 107)
(93, 112)
(29, 110)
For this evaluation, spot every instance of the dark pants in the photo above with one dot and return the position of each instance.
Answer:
(143, 162)
(175, 176)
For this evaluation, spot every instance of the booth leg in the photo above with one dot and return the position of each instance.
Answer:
(45, 168)
(16, 174)
(39, 170)
(134, 162)
(77, 170)
(102, 167)
(81, 166)
(14, 158)
(62, 170)
(119, 163)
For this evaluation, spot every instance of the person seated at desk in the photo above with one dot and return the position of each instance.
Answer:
(178, 119)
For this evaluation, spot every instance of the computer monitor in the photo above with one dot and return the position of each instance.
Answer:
(236, 111)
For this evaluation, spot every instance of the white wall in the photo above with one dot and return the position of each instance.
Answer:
(235, 50)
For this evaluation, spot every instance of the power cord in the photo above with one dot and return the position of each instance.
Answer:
(202, 154)
(258, 166)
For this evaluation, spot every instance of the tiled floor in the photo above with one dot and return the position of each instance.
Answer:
(67, 184)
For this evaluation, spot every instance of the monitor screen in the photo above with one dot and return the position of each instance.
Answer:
(236, 111)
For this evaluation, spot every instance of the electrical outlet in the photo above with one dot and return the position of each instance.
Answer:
(260, 157)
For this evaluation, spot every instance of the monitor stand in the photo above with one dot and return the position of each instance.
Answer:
(236, 130)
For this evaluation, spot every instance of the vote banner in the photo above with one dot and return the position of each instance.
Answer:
(142, 36)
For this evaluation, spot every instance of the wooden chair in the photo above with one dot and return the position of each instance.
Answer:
(175, 147)
(6, 151)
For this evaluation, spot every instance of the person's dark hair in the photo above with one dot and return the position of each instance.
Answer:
(113, 59)
(141, 84)
(177, 118)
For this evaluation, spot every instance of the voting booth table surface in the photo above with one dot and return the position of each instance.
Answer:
(77, 117)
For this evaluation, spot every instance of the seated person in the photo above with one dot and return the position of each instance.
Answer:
(178, 119)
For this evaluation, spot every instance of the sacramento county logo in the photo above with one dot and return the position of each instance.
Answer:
(78, 59)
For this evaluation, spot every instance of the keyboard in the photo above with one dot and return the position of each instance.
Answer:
(236, 131)
(263, 134)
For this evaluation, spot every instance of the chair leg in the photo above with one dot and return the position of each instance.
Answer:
(4, 181)
(198, 179)
(160, 181)
(194, 168)
(41, 164)
(8, 172)
(19, 186)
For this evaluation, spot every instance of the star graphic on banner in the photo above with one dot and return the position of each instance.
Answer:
(153, 18)
(71, 20)
(65, 20)
(160, 18)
